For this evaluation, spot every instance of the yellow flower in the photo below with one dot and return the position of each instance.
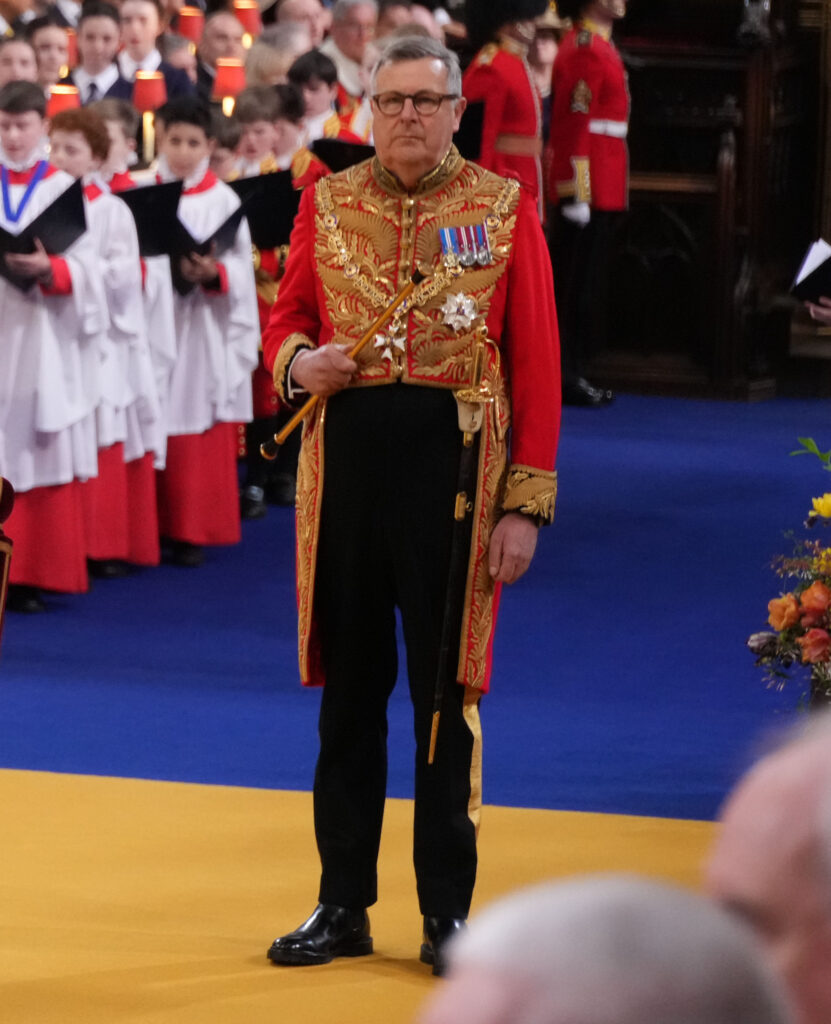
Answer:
(822, 506)
(822, 562)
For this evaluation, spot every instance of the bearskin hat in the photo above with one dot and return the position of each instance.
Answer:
(485, 17)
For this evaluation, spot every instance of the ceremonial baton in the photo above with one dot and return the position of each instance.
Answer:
(460, 541)
(270, 448)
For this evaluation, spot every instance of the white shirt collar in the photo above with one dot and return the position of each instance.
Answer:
(70, 9)
(129, 67)
(103, 81)
(349, 71)
(40, 152)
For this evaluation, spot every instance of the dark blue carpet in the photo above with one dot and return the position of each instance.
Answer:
(621, 681)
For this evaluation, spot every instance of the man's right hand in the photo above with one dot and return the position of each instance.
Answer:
(323, 371)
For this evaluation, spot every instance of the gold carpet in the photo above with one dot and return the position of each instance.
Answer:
(125, 900)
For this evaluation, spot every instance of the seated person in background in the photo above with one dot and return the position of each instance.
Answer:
(771, 864)
(274, 52)
(119, 504)
(51, 46)
(310, 13)
(606, 950)
(353, 28)
(176, 51)
(141, 22)
(121, 119)
(216, 343)
(17, 61)
(227, 132)
(97, 75)
(392, 14)
(317, 78)
(48, 367)
(222, 37)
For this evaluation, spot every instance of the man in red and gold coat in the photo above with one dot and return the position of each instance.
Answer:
(500, 78)
(473, 351)
(589, 181)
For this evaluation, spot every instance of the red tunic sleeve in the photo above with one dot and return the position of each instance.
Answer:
(531, 345)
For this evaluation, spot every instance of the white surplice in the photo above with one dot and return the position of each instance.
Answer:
(49, 379)
(217, 335)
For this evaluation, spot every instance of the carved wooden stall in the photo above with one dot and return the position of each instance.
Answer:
(723, 154)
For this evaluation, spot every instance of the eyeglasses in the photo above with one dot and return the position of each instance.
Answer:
(392, 103)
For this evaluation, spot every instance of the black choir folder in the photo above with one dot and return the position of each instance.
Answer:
(813, 278)
(271, 203)
(182, 243)
(154, 210)
(56, 228)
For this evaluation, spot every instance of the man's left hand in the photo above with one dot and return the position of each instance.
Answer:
(512, 546)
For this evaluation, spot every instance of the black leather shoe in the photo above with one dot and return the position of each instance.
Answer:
(580, 392)
(252, 502)
(27, 600)
(188, 556)
(281, 489)
(438, 931)
(331, 931)
(107, 568)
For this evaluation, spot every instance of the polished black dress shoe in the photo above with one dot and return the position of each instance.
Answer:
(580, 392)
(185, 555)
(438, 931)
(26, 600)
(252, 502)
(107, 568)
(331, 931)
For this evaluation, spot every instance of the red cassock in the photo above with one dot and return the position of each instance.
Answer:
(512, 128)
(356, 240)
(589, 121)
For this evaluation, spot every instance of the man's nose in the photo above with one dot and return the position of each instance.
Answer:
(409, 110)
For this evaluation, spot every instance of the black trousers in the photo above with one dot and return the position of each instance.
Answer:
(390, 472)
(581, 259)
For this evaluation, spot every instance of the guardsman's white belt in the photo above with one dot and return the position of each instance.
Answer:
(617, 129)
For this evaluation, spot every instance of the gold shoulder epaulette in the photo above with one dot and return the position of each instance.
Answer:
(487, 53)
(300, 162)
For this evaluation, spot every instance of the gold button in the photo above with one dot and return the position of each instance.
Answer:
(409, 203)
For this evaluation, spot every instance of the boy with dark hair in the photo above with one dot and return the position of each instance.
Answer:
(316, 76)
(48, 365)
(120, 517)
(97, 75)
(18, 62)
(227, 135)
(217, 338)
(48, 37)
(141, 26)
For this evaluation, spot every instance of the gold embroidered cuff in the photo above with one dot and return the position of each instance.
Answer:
(288, 350)
(582, 180)
(532, 492)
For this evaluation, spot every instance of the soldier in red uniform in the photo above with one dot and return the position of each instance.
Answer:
(425, 405)
(500, 77)
(589, 181)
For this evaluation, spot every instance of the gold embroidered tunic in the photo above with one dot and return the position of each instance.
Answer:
(357, 240)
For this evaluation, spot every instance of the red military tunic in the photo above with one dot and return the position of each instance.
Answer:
(500, 77)
(306, 169)
(356, 241)
(589, 121)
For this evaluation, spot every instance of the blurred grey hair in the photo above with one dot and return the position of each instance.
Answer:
(621, 950)
(343, 7)
(418, 47)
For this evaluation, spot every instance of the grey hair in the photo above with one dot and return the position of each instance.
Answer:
(343, 7)
(611, 949)
(418, 47)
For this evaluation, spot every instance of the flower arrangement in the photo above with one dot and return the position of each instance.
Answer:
(801, 617)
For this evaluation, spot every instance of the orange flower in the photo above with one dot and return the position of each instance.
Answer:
(816, 645)
(815, 601)
(784, 612)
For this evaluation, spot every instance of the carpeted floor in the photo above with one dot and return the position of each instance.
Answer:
(140, 902)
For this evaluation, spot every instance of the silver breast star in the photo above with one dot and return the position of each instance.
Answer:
(459, 310)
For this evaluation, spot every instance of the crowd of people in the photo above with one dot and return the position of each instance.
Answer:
(118, 451)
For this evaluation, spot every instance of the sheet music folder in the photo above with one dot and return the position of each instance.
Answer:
(271, 202)
(154, 210)
(813, 278)
(182, 243)
(338, 155)
(56, 228)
